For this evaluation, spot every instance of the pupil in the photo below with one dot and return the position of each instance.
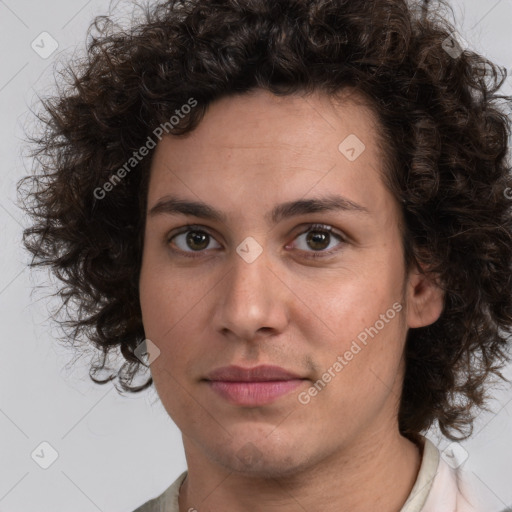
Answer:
(318, 237)
(195, 236)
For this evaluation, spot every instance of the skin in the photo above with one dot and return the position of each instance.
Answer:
(342, 451)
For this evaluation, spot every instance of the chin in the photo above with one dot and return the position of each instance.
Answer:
(261, 458)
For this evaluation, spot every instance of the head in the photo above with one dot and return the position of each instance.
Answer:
(249, 289)
(394, 151)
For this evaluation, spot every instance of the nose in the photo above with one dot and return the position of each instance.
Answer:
(253, 300)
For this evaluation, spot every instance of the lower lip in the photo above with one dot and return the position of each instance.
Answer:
(254, 393)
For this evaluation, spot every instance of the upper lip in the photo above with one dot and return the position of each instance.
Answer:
(257, 374)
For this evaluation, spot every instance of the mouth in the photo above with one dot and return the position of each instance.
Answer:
(252, 386)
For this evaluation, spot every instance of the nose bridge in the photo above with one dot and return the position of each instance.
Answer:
(250, 272)
(252, 294)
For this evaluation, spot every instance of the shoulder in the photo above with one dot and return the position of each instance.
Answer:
(443, 485)
(167, 501)
(453, 489)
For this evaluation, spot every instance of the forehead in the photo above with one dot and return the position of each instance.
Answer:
(258, 119)
(260, 146)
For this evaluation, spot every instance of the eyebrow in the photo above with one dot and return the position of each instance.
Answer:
(173, 205)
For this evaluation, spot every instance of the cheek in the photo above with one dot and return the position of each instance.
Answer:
(164, 316)
(349, 304)
(360, 380)
(156, 306)
(172, 310)
(162, 310)
(162, 293)
(362, 345)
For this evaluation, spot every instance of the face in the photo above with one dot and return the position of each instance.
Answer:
(317, 288)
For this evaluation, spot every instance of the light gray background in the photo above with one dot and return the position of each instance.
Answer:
(116, 452)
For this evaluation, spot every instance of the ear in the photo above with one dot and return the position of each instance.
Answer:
(425, 299)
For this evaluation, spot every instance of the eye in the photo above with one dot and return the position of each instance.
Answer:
(194, 238)
(319, 237)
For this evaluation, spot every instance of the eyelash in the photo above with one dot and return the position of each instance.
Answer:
(311, 227)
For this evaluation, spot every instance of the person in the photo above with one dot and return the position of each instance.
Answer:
(297, 215)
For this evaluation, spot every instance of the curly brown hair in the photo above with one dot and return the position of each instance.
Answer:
(445, 132)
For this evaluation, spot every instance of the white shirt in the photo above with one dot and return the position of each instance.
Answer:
(438, 488)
